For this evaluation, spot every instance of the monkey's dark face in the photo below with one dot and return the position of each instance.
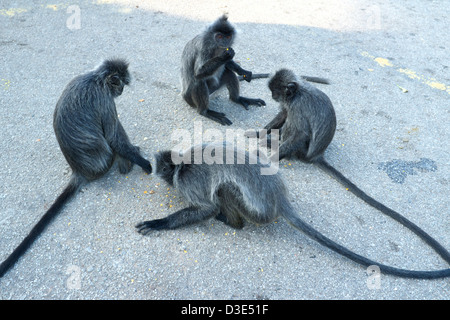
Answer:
(117, 82)
(283, 85)
(223, 39)
(165, 168)
(276, 95)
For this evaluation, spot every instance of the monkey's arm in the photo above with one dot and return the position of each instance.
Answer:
(233, 66)
(277, 122)
(209, 67)
(181, 218)
(120, 143)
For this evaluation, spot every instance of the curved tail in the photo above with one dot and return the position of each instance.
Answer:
(444, 253)
(297, 222)
(56, 207)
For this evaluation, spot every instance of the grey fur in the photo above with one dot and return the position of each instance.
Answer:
(90, 137)
(235, 193)
(307, 119)
(308, 122)
(86, 125)
(207, 65)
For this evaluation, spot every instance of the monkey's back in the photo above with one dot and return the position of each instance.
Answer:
(261, 196)
(314, 114)
(77, 121)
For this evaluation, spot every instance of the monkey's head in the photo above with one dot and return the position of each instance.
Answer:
(223, 32)
(165, 167)
(283, 85)
(115, 74)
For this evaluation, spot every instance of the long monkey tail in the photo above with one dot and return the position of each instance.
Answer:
(294, 219)
(70, 190)
(324, 165)
(307, 78)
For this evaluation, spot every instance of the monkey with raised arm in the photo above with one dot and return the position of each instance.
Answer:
(207, 65)
(307, 122)
(90, 137)
(235, 192)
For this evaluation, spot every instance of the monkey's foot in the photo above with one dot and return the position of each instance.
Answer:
(146, 227)
(248, 101)
(218, 117)
(124, 165)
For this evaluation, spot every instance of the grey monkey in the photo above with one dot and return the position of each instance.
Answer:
(307, 122)
(207, 65)
(90, 137)
(234, 193)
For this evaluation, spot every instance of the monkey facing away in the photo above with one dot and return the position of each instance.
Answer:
(307, 122)
(234, 193)
(207, 65)
(90, 137)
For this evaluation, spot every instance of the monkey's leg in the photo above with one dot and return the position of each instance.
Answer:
(229, 198)
(200, 97)
(232, 83)
(293, 145)
(123, 164)
(181, 218)
(237, 222)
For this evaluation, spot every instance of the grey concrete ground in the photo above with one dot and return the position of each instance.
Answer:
(389, 63)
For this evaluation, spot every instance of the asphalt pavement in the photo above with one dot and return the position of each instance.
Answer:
(388, 62)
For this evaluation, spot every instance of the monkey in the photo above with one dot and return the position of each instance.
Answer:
(207, 65)
(90, 137)
(236, 193)
(307, 122)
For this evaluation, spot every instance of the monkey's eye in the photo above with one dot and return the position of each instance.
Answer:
(219, 36)
(228, 37)
(115, 80)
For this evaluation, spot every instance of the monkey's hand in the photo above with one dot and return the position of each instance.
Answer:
(147, 168)
(146, 227)
(227, 54)
(247, 75)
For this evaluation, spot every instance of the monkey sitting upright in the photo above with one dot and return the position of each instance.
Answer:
(90, 136)
(207, 65)
(307, 122)
(237, 191)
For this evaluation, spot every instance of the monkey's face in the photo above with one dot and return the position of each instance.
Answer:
(276, 95)
(224, 40)
(116, 83)
(165, 168)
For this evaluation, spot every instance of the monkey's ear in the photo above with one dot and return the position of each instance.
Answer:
(291, 89)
